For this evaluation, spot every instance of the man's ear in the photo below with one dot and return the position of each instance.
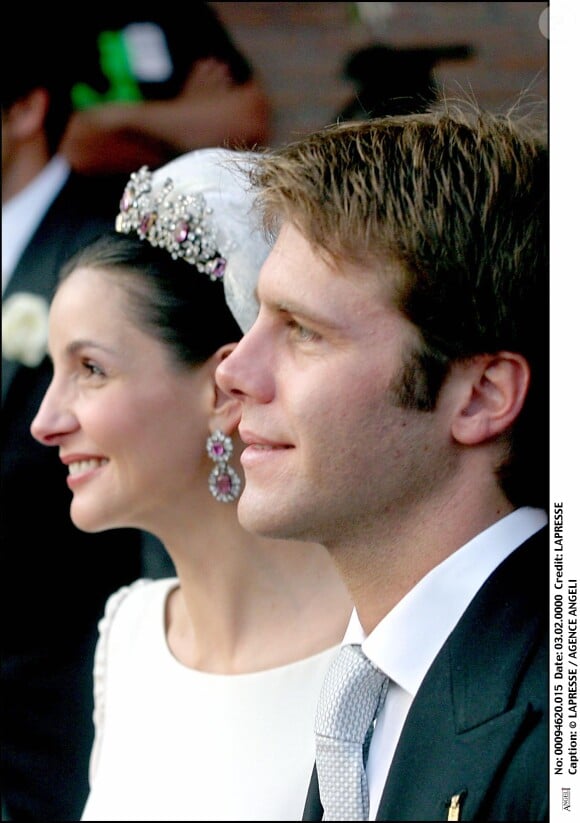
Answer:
(26, 116)
(227, 411)
(494, 390)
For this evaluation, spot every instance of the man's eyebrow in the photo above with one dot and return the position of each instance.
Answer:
(304, 312)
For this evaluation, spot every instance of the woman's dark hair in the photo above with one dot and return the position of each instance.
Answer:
(167, 299)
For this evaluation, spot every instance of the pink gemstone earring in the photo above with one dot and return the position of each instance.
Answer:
(224, 483)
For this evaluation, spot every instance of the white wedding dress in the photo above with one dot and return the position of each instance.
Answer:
(173, 743)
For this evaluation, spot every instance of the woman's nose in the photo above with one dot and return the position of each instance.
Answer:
(53, 420)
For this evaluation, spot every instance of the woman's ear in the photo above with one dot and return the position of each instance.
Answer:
(227, 411)
(495, 388)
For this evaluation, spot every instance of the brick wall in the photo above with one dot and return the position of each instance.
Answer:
(299, 50)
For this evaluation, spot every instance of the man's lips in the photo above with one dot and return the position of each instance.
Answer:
(259, 449)
(255, 440)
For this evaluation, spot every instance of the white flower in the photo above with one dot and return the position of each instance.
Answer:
(24, 328)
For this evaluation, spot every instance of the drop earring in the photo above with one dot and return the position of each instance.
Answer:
(224, 483)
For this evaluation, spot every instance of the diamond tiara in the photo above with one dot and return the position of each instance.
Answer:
(179, 223)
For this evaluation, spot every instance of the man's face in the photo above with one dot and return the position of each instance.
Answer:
(329, 451)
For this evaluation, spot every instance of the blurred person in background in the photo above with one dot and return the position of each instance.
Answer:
(152, 85)
(395, 80)
(49, 627)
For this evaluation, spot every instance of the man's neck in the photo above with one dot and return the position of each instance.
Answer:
(22, 169)
(384, 566)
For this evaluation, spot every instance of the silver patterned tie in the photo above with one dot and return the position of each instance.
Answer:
(353, 692)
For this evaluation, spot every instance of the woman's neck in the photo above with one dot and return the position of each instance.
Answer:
(247, 603)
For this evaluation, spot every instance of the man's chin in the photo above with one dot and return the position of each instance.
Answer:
(258, 518)
(267, 518)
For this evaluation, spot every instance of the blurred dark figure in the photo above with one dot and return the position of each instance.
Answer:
(152, 84)
(54, 579)
(393, 81)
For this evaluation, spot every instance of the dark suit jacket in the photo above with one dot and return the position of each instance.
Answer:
(54, 578)
(478, 726)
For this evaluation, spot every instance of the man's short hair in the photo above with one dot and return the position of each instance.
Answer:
(457, 198)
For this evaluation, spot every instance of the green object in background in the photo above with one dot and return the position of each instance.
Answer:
(116, 66)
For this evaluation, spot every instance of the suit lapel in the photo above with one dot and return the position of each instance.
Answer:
(436, 760)
(28, 277)
(36, 271)
(83, 208)
(463, 720)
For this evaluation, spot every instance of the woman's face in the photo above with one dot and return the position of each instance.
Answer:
(128, 423)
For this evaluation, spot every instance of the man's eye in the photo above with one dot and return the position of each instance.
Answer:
(302, 333)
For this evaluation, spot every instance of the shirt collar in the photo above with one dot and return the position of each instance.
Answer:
(408, 638)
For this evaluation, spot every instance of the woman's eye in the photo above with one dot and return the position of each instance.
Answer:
(91, 368)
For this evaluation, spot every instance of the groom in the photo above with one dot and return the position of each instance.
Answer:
(394, 397)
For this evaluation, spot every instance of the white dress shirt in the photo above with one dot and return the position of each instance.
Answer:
(406, 641)
(22, 214)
